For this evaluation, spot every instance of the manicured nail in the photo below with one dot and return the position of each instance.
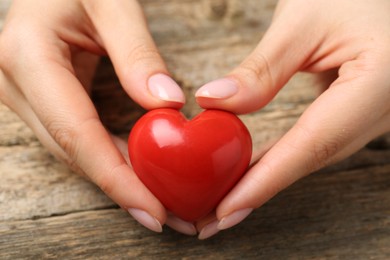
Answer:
(209, 230)
(181, 226)
(234, 218)
(218, 89)
(146, 219)
(163, 87)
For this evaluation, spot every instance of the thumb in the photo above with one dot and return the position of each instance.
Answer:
(263, 73)
(122, 30)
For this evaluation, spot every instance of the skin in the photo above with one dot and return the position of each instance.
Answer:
(347, 44)
(48, 54)
(47, 62)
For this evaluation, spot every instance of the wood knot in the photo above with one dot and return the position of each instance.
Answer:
(217, 8)
(227, 10)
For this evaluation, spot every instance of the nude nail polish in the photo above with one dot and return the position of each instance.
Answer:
(218, 89)
(146, 219)
(209, 230)
(165, 88)
(234, 218)
(180, 225)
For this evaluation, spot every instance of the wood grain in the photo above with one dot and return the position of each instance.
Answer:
(329, 215)
(46, 211)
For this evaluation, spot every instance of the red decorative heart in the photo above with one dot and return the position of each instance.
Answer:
(189, 165)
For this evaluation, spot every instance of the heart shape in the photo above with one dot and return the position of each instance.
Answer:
(189, 165)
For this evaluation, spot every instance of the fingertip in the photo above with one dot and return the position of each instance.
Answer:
(209, 230)
(164, 88)
(217, 94)
(123, 186)
(137, 62)
(153, 90)
(234, 218)
(218, 89)
(180, 225)
(228, 94)
(145, 219)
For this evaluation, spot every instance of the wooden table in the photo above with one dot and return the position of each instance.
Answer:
(46, 211)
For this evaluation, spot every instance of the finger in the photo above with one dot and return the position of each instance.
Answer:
(323, 134)
(180, 225)
(207, 226)
(138, 64)
(260, 76)
(281, 53)
(65, 110)
(23, 109)
(46, 78)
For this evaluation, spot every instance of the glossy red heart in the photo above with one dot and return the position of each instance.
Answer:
(189, 165)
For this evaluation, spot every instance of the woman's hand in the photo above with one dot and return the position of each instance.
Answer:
(316, 36)
(48, 54)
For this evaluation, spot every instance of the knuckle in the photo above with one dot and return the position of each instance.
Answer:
(70, 139)
(106, 180)
(256, 70)
(320, 149)
(70, 136)
(142, 55)
(322, 153)
(66, 137)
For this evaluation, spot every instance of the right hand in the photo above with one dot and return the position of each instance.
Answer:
(348, 40)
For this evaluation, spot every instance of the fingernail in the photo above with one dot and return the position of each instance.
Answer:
(181, 226)
(209, 230)
(146, 219)
(163, 87)
(219, 89)
(234, 218)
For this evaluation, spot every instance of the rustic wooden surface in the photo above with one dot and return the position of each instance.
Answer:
(46, 211)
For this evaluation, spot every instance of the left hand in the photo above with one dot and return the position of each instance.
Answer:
(48, 54)
(314, 36)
